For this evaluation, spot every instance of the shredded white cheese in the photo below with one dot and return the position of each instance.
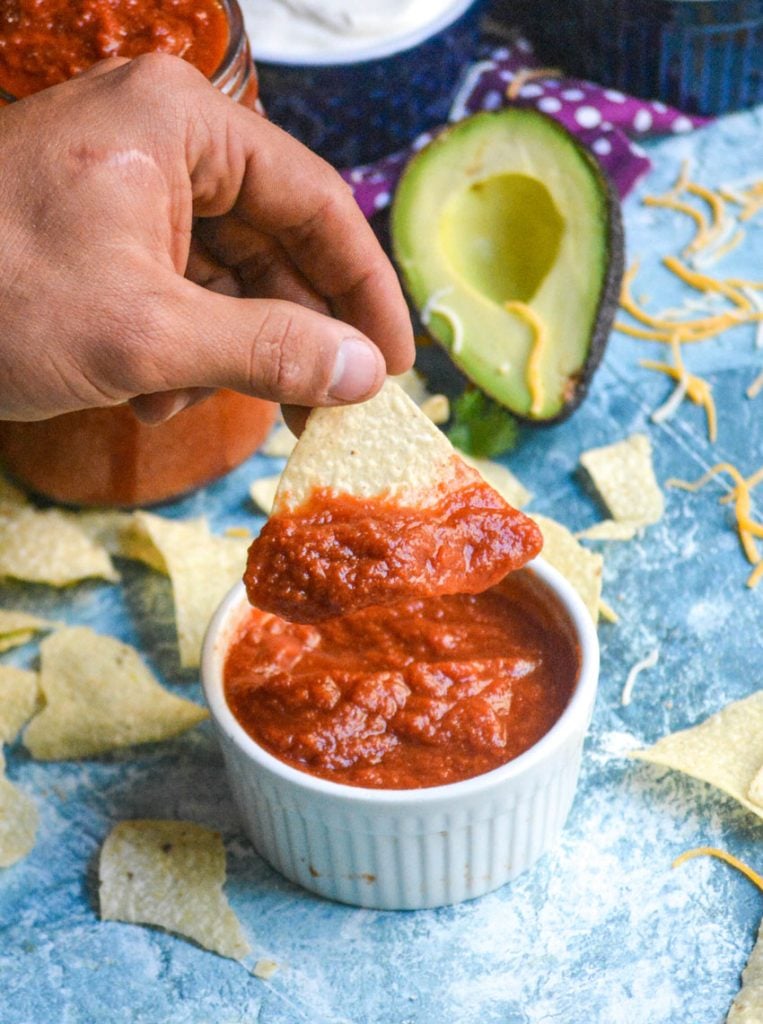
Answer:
(648, 662)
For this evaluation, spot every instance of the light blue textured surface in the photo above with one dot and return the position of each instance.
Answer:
(602, 930)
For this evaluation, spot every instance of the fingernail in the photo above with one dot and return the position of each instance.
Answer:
(354, 371)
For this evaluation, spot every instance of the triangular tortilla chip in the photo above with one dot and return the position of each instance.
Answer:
(19, 699)
(747, 1008)
(202, 569)
(725, 750)
(47, 547)
(18, 820)
(623, 475)
(500, 479)
(263, 492)
(375, 505)
(99, 696)
(170, 874)
(18, 628)
(579, 566)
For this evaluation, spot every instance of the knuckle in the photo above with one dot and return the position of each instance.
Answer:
(275, 362)
(156, 70)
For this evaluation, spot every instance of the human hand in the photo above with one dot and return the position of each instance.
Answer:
(115, 185)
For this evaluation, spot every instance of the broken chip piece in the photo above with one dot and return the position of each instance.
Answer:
(201, 567)
(18, 820)
(725, 750)
(609, 529)
(17, 628)
(99, 695)
(579, 566)
(19, 699)
(747, 1008)
(170, 874)
(279, 443)
(623, 476)
(374, 506)
(47, 547)
(263, 492)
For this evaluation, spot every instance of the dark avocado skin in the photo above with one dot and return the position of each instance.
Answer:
(609, 297)
(609, 300)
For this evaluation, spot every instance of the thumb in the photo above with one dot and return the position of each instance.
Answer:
(269, 348)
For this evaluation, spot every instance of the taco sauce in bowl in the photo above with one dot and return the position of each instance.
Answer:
(419, 693)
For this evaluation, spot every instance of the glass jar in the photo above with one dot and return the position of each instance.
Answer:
(107, 457)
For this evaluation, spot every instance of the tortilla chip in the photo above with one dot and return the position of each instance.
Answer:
(47, 547)
(610, 529)
(99, 696)
(623, 475)
(436, 408)
(263, 492)
(19, 699)
(265, 969)
(500, 479)
(280, 442)
(18, 628)
(755, 792)
(747, 1008)
(579, 566)
(725, 750)
(170, 874)
(383, 447)
(18, 820)
(202, 569)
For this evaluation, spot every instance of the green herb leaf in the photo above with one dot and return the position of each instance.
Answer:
(481, 427)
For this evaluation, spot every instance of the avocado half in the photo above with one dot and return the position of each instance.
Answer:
(509, 240)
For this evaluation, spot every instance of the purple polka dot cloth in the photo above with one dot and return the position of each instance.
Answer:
(606, 121)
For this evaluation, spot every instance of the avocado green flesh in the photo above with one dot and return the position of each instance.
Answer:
(479, 229)
(506, 208)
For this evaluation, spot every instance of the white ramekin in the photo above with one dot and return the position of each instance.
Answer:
(405, 849)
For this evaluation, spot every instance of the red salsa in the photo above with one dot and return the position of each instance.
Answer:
(418, 693)
(336, 554)
(44, 42)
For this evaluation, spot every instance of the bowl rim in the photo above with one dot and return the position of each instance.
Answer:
(389, 47)
(576, 714)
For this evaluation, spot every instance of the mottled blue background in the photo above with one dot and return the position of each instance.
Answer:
(602, 930)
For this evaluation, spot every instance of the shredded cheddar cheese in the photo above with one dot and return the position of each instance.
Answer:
(703, 227)
(711, 851)
(694, 387)
(529, 75)
(741, 498)
(756, 387)
(534, 381)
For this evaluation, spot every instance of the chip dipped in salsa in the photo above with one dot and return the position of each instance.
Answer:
(419, 693)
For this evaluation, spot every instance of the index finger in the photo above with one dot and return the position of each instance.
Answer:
(280, 187)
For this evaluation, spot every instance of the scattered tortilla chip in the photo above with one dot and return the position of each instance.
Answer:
(609, 529)
(436, 408)
(170, 874)
(500, 479)
(99, 696)
(623, 475)
(280, 443)
(47, 547)
(747, 1008)
(755, 792)
(18, 820)
(119, 534)
(725, 750)
(19, 699)
(265, 969)
(263, 492)
(414, 385)
(202, 569)
(579, 566)
(18, 628)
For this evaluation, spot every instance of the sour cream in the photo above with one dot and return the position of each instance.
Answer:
(300, 30)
